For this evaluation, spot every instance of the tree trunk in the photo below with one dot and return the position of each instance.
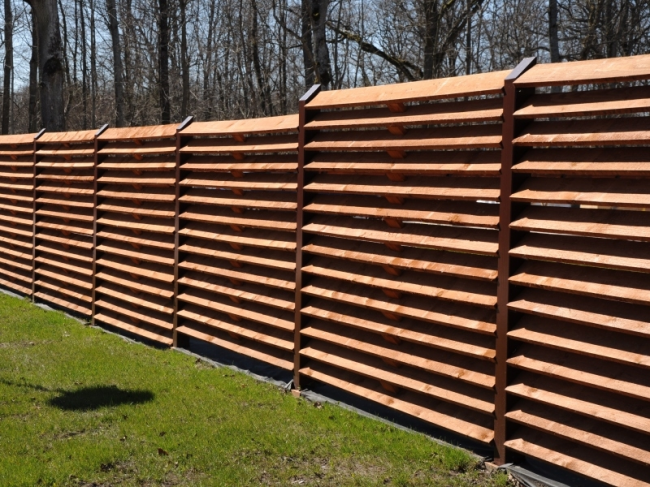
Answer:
(33, 79)
(50, 57)
(163, 61)
(468, 40)
(93, 66)
(185, 61)
(8, 68)
(207, 68)
(117, 62)
(84, 64)
(430, 36)
(307, 43)
(321, 51)
(257, 65)
(552, 31)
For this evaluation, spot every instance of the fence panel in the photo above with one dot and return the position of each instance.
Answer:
(238, 234)
(580, 291)
(64, 220)
(400, 247)
(17, 212)
(135, 230)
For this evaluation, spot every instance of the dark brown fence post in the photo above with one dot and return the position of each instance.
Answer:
(510, 102)
(177, 211)
(302, 120)
(95, 187)
(36, 137)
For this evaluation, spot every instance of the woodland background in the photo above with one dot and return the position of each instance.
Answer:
(142, 62)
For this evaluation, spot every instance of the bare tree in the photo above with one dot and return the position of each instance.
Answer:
(8, 66)
(117, 62)
(50, 57)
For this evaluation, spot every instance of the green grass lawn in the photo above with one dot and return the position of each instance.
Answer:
(83, 407)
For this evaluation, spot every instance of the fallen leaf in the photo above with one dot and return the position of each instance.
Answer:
(162, 452)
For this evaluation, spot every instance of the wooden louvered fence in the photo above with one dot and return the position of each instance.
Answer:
(470, 251)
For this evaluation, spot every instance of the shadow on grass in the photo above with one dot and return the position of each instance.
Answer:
(91, 398)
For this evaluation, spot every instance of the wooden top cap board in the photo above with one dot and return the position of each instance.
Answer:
(472, 85)
(582, 72)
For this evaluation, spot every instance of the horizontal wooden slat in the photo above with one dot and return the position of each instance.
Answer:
(623, 317)
(445, 263)
(146, 225)
(442, 338)
(250, 163)
(429, 236)
(142, 210)
(243, 292)
(608, 377)
(149, 271)
(585, 431)
(480, 320)
(608, 346)
(251, 331)
(250, 182)
(12, 276)
(154, 241)
(14, 286)
(64, 228)
(252, 238)
(598, 283)
(558, 453)
(155, 290)
(66, 254)
(608, 132)
(62, 303)
(628, 256)
(274, 143)
(457, 162)
(264, 220)
(136, 330)
(71, 190)
(65, 266)
(134, 301)
(486, 110)
(148, 255)
(444, 288)
(118, 193)
(257, 314)
(244, 350)
(57, 289)
(617, 224)
(146, 148)
(608, 161)
(257, 275)
(585, 103)
(66, 241)
(413, 380)
(609, 408)
(264, 258)
(443, 415)
(135, 315)
(420, 187)
(254, 199)
(66, 279)
(455, 137)
(444, 212)
(601, 192)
